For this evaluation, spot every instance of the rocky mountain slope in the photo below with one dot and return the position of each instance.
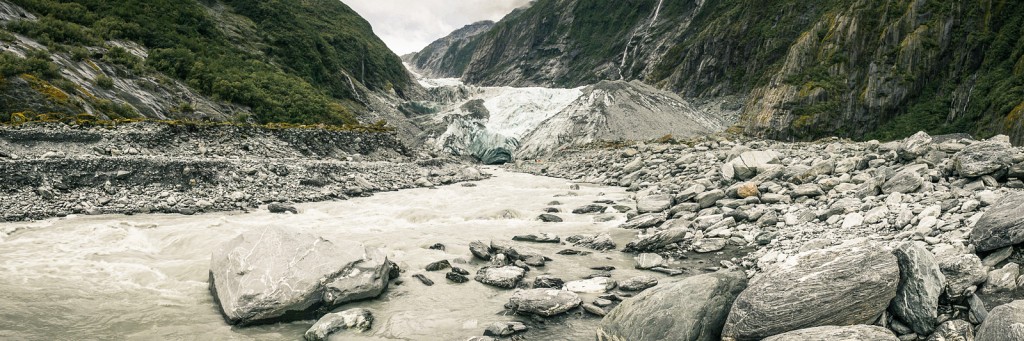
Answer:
(309, 62)
(857, 68)
(449, 56)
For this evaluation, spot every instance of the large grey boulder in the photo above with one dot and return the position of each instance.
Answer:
(903, 182)
(747, 164)
(544, 302)
(915, 146)
(921, 283)
(692, 309)
(953, 330)
(1002, 225)
(658, 240)
(357, 318)
(644, 221)
(272, 274)
(837, 333)
(842, 285)
(1004, 323)
(962, 272)
(982, 158)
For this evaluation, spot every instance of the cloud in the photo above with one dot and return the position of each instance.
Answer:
(409, 25)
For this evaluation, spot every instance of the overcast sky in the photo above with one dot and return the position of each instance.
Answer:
(409, 25)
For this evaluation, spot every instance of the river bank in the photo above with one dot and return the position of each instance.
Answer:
(53, 170)
(947, 207)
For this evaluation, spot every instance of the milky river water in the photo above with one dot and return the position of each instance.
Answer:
(144, 277)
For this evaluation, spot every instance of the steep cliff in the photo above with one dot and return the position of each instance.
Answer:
(306, 62)
(448, 57)
(857, 68)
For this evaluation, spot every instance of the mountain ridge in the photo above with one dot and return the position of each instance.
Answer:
(854, 68)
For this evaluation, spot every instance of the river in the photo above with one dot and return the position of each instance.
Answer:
(144, 277)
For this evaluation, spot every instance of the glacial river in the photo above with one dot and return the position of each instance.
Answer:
(144, 277)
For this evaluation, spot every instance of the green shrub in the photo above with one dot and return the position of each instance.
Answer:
(104, 82)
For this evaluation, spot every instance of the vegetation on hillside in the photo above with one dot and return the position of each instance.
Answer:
(303, 63)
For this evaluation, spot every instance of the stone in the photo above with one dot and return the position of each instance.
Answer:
(953, 330)
(589, 209)
(658, 240)
(852, 220)
(646, 261)
(997, 256)
(438, 265)
(503, 277)
(709, 198)
(921, 284)
(281, 208)
(842, 285)
(982, 158)
(845, 333)
(549, 218)
(749, 163)
(548, 281)
(977, 312)
(1002, 280)
(595, 285)
(747, 190)
(600, 242)
(456, 277)
(543, 302)
(423, 279)
(480, 250)
(638, 283)
(273, 274)
(691, 309)
(1004, 323)
(594, 309)
(653, 203)
(357, 318)
(914, 146)
(903, 182)
(706, 245)
(962, 272)
(504, 328)
(1001, 226)
(808, 190)
(538, 238)
(644, 221)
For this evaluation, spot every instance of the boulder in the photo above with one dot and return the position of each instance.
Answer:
(596, 285)
(1003, 279)
(588, 209)
(914, 146)
(842, 285)
(747, 164)
(653, 203)
(709, 198)
(480, 250)
(808, 190)
(543, 302)
(658, 240)
(281, 208)
(357, 318)
(503, 277)
(504, 328)
(548, 281)
(646, 261)
(1004, 323)
(903, 182)
(837, 333)
(921, 283)
(706, 245)
(692, 309)
(274, 274)
(549, 218)
(982, 158)
(962, 272)
(1002, 225)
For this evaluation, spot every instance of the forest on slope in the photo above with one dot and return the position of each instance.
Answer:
(305, 62)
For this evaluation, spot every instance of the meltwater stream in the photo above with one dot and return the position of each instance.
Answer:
(145, 277)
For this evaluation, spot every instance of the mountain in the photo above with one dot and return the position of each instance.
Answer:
(305, 62)
(856, 68)
(448, 57)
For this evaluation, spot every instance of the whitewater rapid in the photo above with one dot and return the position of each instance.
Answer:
(144, 277)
